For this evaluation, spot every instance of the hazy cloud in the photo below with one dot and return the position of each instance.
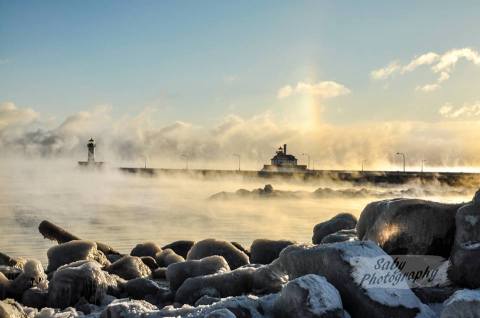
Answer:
(440, 64)
(323, 90)
(464, 111)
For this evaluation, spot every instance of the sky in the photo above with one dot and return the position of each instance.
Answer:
(343, 80)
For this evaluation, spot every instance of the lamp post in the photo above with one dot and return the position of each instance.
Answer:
(363, 164)
(308, 157)
(186, 161)
(238, 156)
(423, 164)
(403, 156)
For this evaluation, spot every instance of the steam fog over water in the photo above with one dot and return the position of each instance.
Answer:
(125, 209)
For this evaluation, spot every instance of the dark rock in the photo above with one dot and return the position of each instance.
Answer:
(160, 273)
(221, 313)
(83, 279)
(206, 300)
(146, 249)
(234, 283)
(150, 262)
(234, 257)
(129, 267)
(465, 264)
(177, 273)
(430, 295)
(167, 257)
(10, 272)
(309, 296)
(140, 288)
(409, 226)
(35, 297)
(112, 258)
(180, 247)
(345, 265)
(342, 221)
(4, 286)
(241, 248)
(73, 251)
(340, 236)
(265, 251)
(268, 280)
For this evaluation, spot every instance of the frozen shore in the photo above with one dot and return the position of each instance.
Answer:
(401, 258)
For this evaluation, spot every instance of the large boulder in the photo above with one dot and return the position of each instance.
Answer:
(234, 283)
(141, 288)
(146, 249)
(263, 251)
(409, 226)
(309, 296)
(83, 279)
(180, 247)
(234, 257)
(122, 308)
(31, 276)
(129, 267)
(342, 221)
(350, 267)
(463, 303)
(167, 257)
(177, 273)
(73, 251)
(465, 264)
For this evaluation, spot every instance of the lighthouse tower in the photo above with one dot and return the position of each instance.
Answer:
(91, 151)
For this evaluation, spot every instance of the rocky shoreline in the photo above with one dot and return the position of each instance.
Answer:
(401, 258)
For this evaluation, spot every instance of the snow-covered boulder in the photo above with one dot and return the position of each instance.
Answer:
(350, 267)
(463, 303)
(146, 249)
(409, 226)
(83, 279)
(263, 251)
(73, 251)
(465, 264)
(11, 309)
(167, 257)
(32, 275)
(123, 308)
(341, 236)
(180, 247)
(309, 296)
(234, 257)
(177, 273)
(129, 267)
(234, 283)
(342, 221)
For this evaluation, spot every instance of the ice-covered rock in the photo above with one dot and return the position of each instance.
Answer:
(73, 251)
(11, 309)
(180, 247)
(220, 313)
(465, 264)
(463, 303)
(342, 221)
(264, 251)
(129, 267)
(234, 283)
(126, 308)
(177, 273)
(83, 279)
(341, 236)
(409, 226)
(268, 279)
(69, 312)
(309, 296)
(167, 257)
(150, 262)
(234, 257)
(146, 249)
(241, 248)
(33, 274)
(160, 273)
(35, 297)
(140, 288)
(346, 265)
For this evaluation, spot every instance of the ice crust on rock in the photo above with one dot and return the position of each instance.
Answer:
(73, 251)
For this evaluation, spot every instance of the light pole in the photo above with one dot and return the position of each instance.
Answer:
(423, 164)
(403, 155)
(186, 161)
(238, 156)
(308, 157)
(363, 164)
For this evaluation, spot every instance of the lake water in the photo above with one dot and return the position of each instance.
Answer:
(124, 209)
